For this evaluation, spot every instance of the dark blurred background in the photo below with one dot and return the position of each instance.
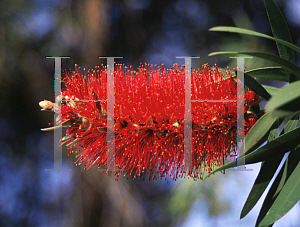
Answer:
(149, 31)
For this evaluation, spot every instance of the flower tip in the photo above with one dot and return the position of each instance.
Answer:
(46, 105)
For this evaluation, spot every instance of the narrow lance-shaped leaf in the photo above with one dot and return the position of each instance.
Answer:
(254, 33)
(270, 73)
(286, 99)
(292, 68)
(258, 134)
(256, 87)
(280, 145)
(292, 124)
(275, 188)
(288, 192)
(263, 179)
(284, 193)
(280, 30)
(270, 89)
(268, 168)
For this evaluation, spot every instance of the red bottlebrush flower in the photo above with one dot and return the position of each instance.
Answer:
(149, 118)
(251, 98)
(249, 122)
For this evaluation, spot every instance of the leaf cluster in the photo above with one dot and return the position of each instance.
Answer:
(283, 106)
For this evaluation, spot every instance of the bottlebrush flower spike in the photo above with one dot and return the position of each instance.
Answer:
(149, 119)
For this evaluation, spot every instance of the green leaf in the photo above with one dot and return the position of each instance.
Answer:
(262, 181)
(270, 73)
(292, 68)
(280, 30)
(270, 89)
(292, 124)
(274, 131)
(256, 87)
(286, 99)
(284, 193)
(278, 146)
(288, 196)
(275, 188)
(258, 134)
(268, 168)
(250, 32)
(283, 113)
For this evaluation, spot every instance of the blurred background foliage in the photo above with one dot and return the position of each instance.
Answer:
(149, 31)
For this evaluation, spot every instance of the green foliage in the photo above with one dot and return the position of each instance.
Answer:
(284, 102)
(270, 73)
(287, 98)
(259, 132)
(253, 33)
(284, 193)
(290, 67)
(281, 31)
(268, 168)
(256, 87)
(270, 89)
